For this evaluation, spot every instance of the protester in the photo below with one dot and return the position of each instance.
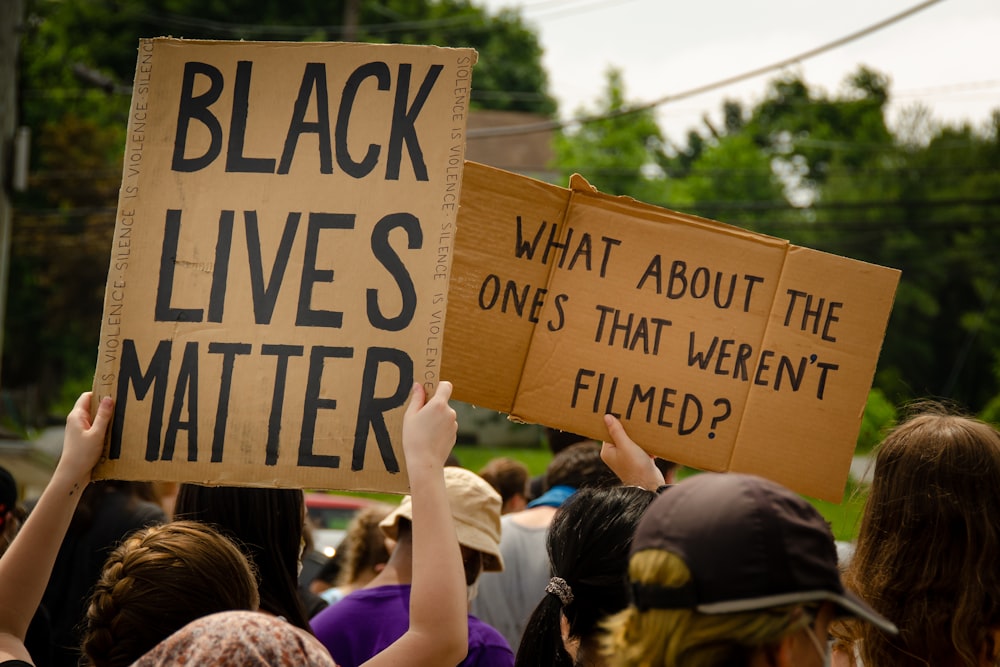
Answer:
(731, 570)
(365, 552)
(437, 632)
(928, 549)
(27, 564)
(158, 580)
(506, 599)
(588, 546)
(510, 479)
(239, 639)
(268, 524)
(557, 441)
(367, 620)
(12, 514)
(108, 512)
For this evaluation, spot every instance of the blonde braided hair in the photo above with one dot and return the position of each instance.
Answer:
(158, 580)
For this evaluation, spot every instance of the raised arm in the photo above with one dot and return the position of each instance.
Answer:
(27, 564)
(633, 466)
(439, 631)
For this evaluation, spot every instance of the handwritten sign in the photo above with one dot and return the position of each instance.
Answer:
(719, 348)
(281, 258)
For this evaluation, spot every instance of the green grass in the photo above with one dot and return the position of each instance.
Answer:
(475, 457)
(844, 518)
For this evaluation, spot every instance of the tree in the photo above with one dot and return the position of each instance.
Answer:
(617, 151)
(78, 62)
(828, 172)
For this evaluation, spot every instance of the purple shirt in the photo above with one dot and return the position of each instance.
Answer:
(370, 619)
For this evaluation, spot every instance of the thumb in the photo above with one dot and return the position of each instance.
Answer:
(103, 416)
(615, 428)
(417, 398)
(443, 392)
(609, 452)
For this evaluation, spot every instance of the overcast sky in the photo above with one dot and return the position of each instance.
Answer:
(947, 56)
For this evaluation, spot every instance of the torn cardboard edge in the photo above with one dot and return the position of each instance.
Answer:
(493, 199)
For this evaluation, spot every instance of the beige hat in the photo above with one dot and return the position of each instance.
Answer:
(475, 508)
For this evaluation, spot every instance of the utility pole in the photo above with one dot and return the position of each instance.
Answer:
(349, 24)
(11, 24)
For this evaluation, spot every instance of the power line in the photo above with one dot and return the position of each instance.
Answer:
(547, 126)
(574, 11)
(178, 21)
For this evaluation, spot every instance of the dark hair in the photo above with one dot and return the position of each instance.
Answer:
(560, 440)
(268, 525)
(508, 476)
(580, 466)
(588, 545)
(929, 543)
(92, 497)
(157, 581)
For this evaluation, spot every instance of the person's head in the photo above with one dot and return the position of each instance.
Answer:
(158, 580)
(588, 545)
(97, 492)
(731, 569)
(510, 479)
(929, 543)
(580, 466)
(239, 639)
(364, 547)
(559, 440)
(268, 525)
(475, 509)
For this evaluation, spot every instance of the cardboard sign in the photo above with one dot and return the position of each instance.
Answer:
(280, 262)
(719, 348)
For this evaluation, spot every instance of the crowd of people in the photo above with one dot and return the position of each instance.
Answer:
(606, 561)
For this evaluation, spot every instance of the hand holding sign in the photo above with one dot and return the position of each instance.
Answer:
(84, 439)
(429, 429)
(628, 460)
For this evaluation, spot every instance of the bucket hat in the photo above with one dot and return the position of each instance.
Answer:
(475, 509)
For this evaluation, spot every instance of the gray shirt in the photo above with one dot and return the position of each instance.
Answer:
(506, 599)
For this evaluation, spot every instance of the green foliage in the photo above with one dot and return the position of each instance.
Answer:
(614, 152)
(474, 457)
(828, 172)
(880, 415)
(844, 517)
(77, 63)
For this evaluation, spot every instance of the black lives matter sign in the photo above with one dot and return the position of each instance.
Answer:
(279, 271)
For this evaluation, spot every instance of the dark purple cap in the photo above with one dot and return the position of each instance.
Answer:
(749, 543)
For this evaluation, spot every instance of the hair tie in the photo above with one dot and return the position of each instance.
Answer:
(557, 586)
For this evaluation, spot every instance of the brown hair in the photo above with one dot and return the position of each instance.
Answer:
(580, 466)
(508, 476)
(364, 544)
(268, 524)
(929, 544)
(157, 581)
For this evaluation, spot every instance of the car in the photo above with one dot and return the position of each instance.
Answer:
(329, 516)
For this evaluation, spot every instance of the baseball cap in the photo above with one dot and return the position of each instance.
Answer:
(475, 509)
(749, 543)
